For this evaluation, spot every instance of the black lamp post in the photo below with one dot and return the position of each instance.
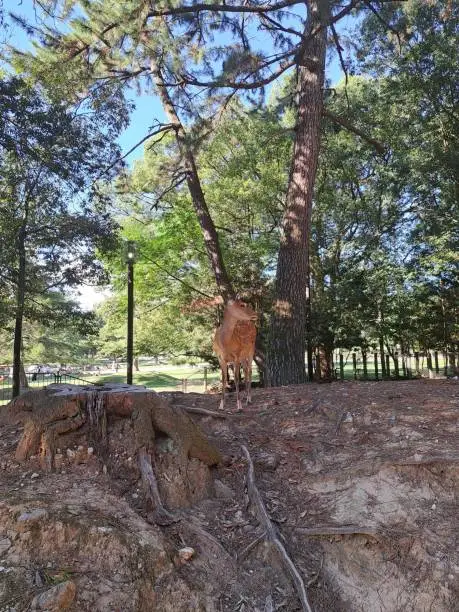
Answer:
(130, 260)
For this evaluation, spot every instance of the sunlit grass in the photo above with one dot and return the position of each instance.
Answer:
(164, 378)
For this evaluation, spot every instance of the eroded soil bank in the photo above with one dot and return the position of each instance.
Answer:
(360, 479)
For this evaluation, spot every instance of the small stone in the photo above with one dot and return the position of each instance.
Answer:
(186, 554)
(104, 469)
(28, 518)
(5, 544)
(433, 506)
(35, 475)
(90, 450)
(268, 461)
(59, 597)
(70, 453)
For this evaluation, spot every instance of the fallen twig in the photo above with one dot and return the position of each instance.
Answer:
(340, 420)
(315, 577)
(341, 530)
(245, 551)
(204, 411)
(271, 534)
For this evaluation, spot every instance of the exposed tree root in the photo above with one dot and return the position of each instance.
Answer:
(271, 534)
(161, 516)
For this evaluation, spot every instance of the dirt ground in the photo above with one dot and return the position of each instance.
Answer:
(361, 480)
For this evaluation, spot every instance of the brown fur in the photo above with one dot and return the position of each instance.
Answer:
(234, 343)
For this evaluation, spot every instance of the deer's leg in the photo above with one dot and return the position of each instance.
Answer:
(224, 369)
(248, 380)
(237, 373)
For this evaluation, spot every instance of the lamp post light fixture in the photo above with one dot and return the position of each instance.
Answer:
(130, 256)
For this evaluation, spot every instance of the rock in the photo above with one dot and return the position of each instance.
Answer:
(186, 554)
(55, 599)
(268, 461)
(26, 519)
(5, 544)
(222, 491)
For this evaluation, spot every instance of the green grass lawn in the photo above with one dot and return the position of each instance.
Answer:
(164, 379)
(170, 378)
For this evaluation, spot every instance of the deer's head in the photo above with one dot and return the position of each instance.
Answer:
(241, 311)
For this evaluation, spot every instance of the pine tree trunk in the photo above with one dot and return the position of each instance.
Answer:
(287, 342)
(20, 297)
(194, 185)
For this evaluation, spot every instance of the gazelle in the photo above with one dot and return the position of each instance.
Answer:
(234, 343)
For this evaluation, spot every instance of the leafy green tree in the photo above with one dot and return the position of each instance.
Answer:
(51, 222)
(175, 48)
(414, 49)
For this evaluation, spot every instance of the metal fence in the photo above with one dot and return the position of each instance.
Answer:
(199, 381)
(37, 381)
(347, 365)
(359, 365)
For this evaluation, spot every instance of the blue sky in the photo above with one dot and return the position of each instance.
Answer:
(147, 107)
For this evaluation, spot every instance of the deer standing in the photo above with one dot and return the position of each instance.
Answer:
(234, 343)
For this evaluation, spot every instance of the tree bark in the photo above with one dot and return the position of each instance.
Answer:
(194, 185)
(287, 345)
(325, 354)
(20, 297)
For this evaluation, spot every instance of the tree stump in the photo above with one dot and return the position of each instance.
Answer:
(52, 416)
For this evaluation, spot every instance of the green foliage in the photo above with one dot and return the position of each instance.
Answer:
(386, 228)
(51, 215)
(385, 240)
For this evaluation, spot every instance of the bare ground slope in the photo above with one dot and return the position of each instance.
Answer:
(360, 479)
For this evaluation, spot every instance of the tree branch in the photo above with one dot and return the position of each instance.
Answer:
(348, 126)
(224, 8)
(184, 283)
(339, 50)
(164, 128)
